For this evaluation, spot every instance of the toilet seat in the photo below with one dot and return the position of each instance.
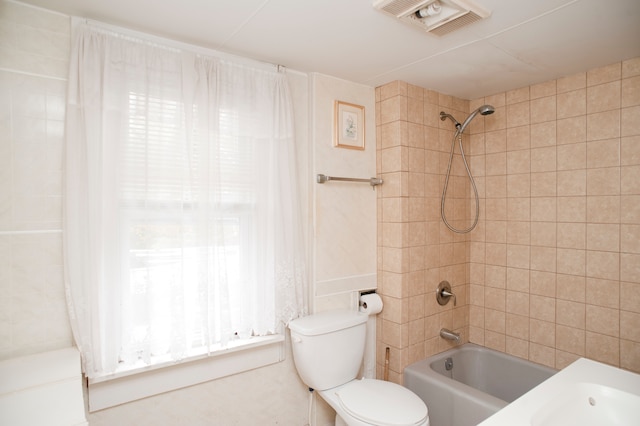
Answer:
(381, 403)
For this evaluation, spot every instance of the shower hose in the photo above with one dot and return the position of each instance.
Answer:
(458, 136)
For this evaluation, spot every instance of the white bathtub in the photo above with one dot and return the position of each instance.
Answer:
(481, 382)
(42, 389)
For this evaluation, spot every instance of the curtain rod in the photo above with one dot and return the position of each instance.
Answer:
(175, 45)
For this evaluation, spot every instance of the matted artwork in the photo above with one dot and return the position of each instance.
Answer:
(349, 125)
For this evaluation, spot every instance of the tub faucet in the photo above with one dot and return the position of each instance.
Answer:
(445, 333)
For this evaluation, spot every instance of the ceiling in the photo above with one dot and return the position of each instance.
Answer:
(521, 43)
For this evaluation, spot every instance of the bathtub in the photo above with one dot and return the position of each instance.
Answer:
(42, 389)
(479, 383)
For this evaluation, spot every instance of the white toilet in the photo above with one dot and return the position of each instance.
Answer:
(328, 349)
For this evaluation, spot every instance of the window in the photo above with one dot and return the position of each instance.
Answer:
(182, 228)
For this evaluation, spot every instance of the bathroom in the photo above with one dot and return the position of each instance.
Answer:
(549, 275)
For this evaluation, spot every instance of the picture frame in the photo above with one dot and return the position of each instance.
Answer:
(349, 126)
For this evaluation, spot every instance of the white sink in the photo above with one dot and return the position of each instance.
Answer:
(585, 393)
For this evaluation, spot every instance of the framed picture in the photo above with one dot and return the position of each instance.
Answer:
(349, 126)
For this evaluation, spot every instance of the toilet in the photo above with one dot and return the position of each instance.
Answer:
(328, 349)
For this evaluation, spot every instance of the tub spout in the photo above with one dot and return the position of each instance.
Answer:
(449, 335)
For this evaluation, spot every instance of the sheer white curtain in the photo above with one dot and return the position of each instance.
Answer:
(182, 222)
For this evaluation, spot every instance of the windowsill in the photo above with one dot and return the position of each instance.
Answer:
(138, 383)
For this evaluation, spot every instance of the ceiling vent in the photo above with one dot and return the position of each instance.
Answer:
(438, 17)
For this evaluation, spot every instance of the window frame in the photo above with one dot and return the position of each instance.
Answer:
(137, 383)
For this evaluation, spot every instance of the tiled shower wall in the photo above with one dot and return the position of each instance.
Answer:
(415, 250)
(553, 269)
(555, 264)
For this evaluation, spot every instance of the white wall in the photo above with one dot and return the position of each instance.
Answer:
(344, 212)
(34, 52)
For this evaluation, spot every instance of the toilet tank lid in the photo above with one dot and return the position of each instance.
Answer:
(327, 322)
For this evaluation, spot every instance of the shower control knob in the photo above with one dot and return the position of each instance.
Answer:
(443, 293)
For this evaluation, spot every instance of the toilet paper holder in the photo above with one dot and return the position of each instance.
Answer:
(370, 303)
(443, 293)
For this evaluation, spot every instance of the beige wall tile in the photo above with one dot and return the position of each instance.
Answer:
(518, 138)
(544, 184)
(570, 313)
(518, 185)
(518, 279)
(543, 134)
(548, 88)
(630, 296)
(630, 121)
(604, 237)
(603, 348)
(605, 125)
(518, 114)
(630, 267)
(543, 283)
(543, 233)
(630, 326)
(570, 287)
(603, 320)
(494, 299)
(495, 141)
(572, 235)
(604, 74)
(572, 130)
(605, 293)
(605, 209)
(572, 104)
(603, 97)
(630, 150)
(603, 181)
(572, 209)
(629, 178)
(601, 264)
(631, 67)
(517, 303)
(543, 308)
(572, 156)
(570, 339)
(570, 261)
(543, 109)
(630, 355)
(572, 182)
(603, 153)
(563, 359)
(517, 347)
(572, 82)
(543, 259)
(541, 354)
(518, 161)
(543, 159)
(630, 92)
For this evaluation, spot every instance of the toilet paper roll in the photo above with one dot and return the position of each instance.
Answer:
(370, 304)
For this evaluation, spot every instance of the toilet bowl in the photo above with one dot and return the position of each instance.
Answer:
(368, 402)
(328, 349)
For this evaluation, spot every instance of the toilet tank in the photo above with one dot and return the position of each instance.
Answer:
(328, 347)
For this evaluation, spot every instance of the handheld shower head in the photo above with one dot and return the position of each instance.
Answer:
(486, 110)
(483, 110)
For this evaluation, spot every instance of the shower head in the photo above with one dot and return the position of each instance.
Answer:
(483, 110)
(486, 110)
